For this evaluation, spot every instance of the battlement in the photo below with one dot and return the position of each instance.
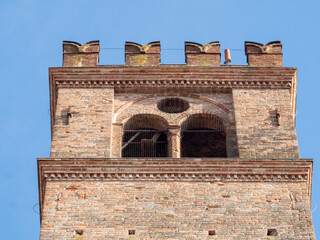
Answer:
(268, 55)
(146, 55)
(81, 55)
(202, 55)
(87, 54)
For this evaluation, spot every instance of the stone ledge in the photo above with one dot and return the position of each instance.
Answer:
(207, 177)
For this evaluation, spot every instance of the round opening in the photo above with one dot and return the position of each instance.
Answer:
(173, 105)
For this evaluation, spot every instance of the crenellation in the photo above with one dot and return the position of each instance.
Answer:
(146, 55)
(202, 55)
(268, 55)
(77, 55)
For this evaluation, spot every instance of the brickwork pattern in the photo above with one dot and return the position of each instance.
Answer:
(175, 210)
(89, 130)
(258, 132)
(268, 55)
(88, 133)
(80, 55)
(202, 55)
(146, 55)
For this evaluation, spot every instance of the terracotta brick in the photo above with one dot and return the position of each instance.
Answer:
(77, 55)
(146, 55)
(268, 55)
(202, 55)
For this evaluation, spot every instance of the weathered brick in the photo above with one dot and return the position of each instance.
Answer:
(77, 55)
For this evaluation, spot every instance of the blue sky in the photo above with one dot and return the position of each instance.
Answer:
(31, 35)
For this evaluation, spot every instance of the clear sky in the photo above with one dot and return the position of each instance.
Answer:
(31, 35)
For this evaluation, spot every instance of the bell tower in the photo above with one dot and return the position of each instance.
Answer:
(154, 151)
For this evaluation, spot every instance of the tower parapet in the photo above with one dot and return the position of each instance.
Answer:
(81, 55)
(268, 55)
(142, 55)
(202, 55)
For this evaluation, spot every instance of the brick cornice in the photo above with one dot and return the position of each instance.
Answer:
(172, 169)
(150, 78)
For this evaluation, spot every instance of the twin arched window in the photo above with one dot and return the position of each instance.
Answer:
(202, 135)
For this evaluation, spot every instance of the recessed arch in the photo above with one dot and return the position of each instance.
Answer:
(203, 135)
(147, 121)
(121, 115)
(145, 135)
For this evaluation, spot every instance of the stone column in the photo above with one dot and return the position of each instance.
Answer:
(174, 142)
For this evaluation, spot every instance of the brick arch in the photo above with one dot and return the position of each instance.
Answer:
(120, 110)
(120, 116)
(203, 135)
(127, 115)
(150, 121)
(212, 121)
(225, 118)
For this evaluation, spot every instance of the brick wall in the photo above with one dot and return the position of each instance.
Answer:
(216, 90)
(80, 55)
(202, 55)
(146, 55)
(175, 210)
(88, 133)
(89, 130)
(258, 132)
(267, 55)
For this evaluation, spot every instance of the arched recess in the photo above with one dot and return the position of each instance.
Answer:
(121, 114)
(145, 135)
(203, 135)
(132, 108)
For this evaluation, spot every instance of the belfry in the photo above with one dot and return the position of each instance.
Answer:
(202, 150)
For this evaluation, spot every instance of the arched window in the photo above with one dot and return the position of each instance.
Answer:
(145, 136)
(202, 135)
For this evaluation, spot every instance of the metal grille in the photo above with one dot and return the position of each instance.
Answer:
(144, 142)
(203, 135)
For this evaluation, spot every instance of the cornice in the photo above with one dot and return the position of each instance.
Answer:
(171, 169)
(203, 79)
(176, 176)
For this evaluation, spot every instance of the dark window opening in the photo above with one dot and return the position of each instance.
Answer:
(173, 105)
(132, 232)
(79, 231)
(203, 136)
(144, 136)
(211, 232)
(144, 142)
(272, 232)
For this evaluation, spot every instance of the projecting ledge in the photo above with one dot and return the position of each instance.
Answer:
(174, 169)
